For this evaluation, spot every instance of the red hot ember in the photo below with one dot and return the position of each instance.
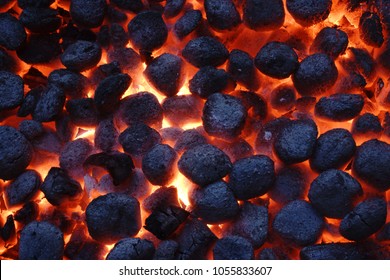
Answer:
(194, 129)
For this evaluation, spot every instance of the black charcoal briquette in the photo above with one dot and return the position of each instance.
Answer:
(133, 6)
(50, 105)
(283, 98)
(31, 129)
(160, 199)
(40, 48)
(263, 15)
(74, 84)
(82, 112)
(187, 23)
(132, 249)
(241, 67)
(166, 250)
(308, 13)
(189, 139)
(370, 29)
(331, 41)
(106, 135)
(23, 188)
(88, 13)
(41, 20)
(74, 154)
(366, 124)
(182, 109)
(81, 56)
(12, 91)
(222, 15)
(233, 248)
(34, 3)
(332, 251)
(127, 58)
(12, 33)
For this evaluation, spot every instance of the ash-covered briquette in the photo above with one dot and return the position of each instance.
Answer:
(222, 15)
(59, 188)
(141, 107)
(16, 153)
(299, 223)
(187, 23)
(182, 109)
(173, 7)
(277, 60)
(74, 154)
(65, 128)
(12, 34)
(34, 3)
(147, 31)
(161, 198)
(40, 48)
(81, 56)
(308, 13)
(251, 177)
(384, 233)
(233, 248)
(334, 192)
(251, 223)
(133, 6)
(127, 58)
(50, 104)
(263, 15)
(194, 241)
(7, 62)
(82, 112)
(23, 188)
(31, 129)
(367, 124)
(163, 222)
(209, 80)
(41, 241)
(166, 250)
(188, 139)
(296, 140)
(224, 116)
(290, 184)
(204, 164)
(364, 220)
(241, 67)
(12, 91)
(138, 139)
(28, 213)
(166, 74)
(331, 41)
(370, 29)
(106, 135)
(132, 249)
(332, 251)
(283, 98)
(74, 85)
(112, 217)
(214, 203)
(316, 74)
(88, 13)
(109, 92)
(205, 51)
(41, 20)
(333, 149)
(339, 107)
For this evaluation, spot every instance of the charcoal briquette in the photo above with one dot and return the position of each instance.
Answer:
(47, 142)
(370, 29)
(241, 67)
(134, 6)
(137, 185)
(233, 248)
(8, 232)
(307, 13)
(41, 20)
(16, 153)
(74, 85)
(263, 15)
(115, 15)
(236, 150)
(339, 107)
(112, 217)
(333, 149)
(34, 3)
(331, 41)
(132, 249)
(366, 124)
(65, 128)
(34, 78)
(384, 56)
(74, 154)
(331, 251)
(173, 7)
(384, 233)
(362, 62)
(103, 71)
(254, 104)
(7, 62)
(222, 15)
(266, 137)
(283, 98)
(205, 51)
(275, 253)
(81, 56)
(71, 34)
(189, 139)
(364, 220)
(31, 129)
(160, 199)
(315, 75)
(23, 188)
(166, 250)
(40, 48)
(41, 241)
(88, 13)
(83, 112)
(12, 91)
(182, 109)
(187, 23)
(28, 213)
(106, 135)
(118, 36)
(127, 58)
(12, 34)
(299, 223)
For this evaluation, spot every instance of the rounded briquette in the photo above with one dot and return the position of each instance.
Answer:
(298, 223)
(308, 13)
(173, 7)
(339, 107)
(112, 217)
(189, 139)
(296, 140)
(161, 198)
(222, 14)
(81, 56)
(127, 59)
(187, 23)
(147, 31)
(277, 60)
(316, 74)
(82, 112)
(166, 250)
(205, 51)
(241, 67)
(31, 129)
(16, 153)
(214, 203)
(74, 84)
(74, 154)
(40, 48)
(41, 241)
(23, 188)
(50, 105)
(12, 34)
(106, 135)
(88, 13)
(233, 248)
(331, 41)
(132, 249)
(367, 123)
(251, 177)
(332, 251)
(371, 164)
(283, 98)
(12, 91)
(224, 116)
(182, 109)
(264, 15)
(41, 20)
(204, 164)
(370, 29)
(334, 192)
(364, 220)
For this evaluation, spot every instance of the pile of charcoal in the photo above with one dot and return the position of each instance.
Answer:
(194, 129)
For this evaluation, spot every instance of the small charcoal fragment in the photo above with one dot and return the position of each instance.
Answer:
(182, 109)
(106, 135)
(41, 241)
(364, 220)
(41, 20)
(112, 217)
(241, 67)
(366, 124)
(189, 139)
(334, 192)
(132, 249)
(263, 15)
(23, 188)
(187, 23)
(205, 51)
(266, 137)
(31, 129)
(166, 250)
(127, 58)
(166, 74)
(133, 6)
(12, 33)
(296, 141)
(40, 48)
(233, 248)
(222, 15)
(72, 83)
(50, 105)
(251, 177)
(82, 112)
(332, 251)
(147, 31)
(163, 222)
(283, 98)
(316, 74)
(308, 13)
(16, 153)
(11, 88)
(298, 223)
(204, 164)
(81, 56)
(173, 7)
(74, 154)
(370, 29)
(28, 213)
(161, 198)
(333, 149)
(331, 41)
(88, 13)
